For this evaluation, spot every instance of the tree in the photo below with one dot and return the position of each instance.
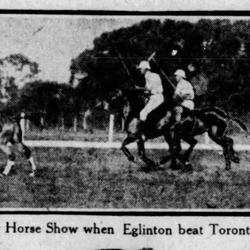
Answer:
(48, 100)
(16, 70)
(214, 53)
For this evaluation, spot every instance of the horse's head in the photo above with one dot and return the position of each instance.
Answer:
(115, 101)
(114, 96)
(127, 100)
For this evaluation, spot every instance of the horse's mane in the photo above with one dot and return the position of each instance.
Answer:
(135, 99)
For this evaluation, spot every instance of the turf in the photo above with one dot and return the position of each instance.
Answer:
(96, 135)
(101, 178)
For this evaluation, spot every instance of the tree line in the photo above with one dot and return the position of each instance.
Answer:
(214, 54)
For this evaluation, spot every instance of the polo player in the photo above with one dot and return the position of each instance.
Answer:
(183, 95)
(153, 88)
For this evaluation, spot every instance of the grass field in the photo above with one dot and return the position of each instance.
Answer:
(100, 178)
(102, 136)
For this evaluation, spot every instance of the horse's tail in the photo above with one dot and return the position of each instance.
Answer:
(240, 123)
(223, 114)
(213, 109)
(219, 112)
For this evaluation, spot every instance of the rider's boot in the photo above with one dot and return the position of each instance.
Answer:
(140, 125)
(176, 128)
(142, 119)
(141, 129)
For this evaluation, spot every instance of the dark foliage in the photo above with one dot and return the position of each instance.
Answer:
(214, 53)
(49, 100)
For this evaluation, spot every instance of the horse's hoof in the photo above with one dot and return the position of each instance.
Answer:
(131, 158)
(187, 168)
(236, 159)
(147, 169)
(32, 174)
(161, 166)
(155, 164)
(165, 160)
(158, 165)
(2, 175)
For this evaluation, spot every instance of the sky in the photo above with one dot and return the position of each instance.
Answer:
(53, 41)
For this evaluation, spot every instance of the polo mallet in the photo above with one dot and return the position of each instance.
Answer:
(162, 72)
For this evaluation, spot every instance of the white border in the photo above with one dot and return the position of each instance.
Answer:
(127, 5)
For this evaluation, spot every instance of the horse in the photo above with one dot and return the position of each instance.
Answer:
(213, 121)
(129, 102)
(11, 133)
(160, 123)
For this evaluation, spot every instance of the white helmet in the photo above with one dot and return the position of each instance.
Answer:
(144, 65)
(180, 72)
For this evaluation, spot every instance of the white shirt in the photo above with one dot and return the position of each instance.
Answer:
(185, 90)
(153, 83)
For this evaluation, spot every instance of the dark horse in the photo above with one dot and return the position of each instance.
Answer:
(11, 133)
(160, 123)
(214, 121)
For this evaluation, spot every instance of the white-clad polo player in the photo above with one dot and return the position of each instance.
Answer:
(153, 87)
(184, 95)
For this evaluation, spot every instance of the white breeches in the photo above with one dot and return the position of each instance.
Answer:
(188, 104)
(153, 103)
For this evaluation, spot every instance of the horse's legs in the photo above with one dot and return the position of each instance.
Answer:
(233, 155)
(192, 142)
(11, 159)
(27, 153)
(128, 140)
(217, 133)
(171, 149)
(175, 149)
(141, 152)
(185, 158)
(222, 141)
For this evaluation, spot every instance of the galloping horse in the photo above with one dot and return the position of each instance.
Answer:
(160, 122)
(157, 123)
(11, 133)
(214, 122)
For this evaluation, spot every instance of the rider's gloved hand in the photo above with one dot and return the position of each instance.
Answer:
(146, 92)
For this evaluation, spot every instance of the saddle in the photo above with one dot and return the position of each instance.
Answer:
(155, 117)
